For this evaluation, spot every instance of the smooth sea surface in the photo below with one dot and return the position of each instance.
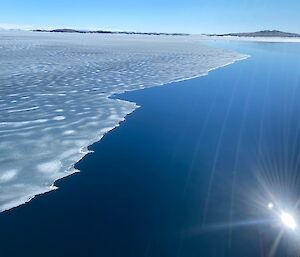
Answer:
(190, 173)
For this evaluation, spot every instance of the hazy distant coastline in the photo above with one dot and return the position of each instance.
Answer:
(110, 32)
(263, 33)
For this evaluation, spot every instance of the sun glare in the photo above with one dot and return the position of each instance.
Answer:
(288, 220)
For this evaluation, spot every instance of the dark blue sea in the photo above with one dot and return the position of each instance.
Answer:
(190, 173)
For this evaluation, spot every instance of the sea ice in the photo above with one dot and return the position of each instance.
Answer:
(55, 97)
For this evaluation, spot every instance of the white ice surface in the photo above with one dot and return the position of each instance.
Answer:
(252, 39)
(54, 97)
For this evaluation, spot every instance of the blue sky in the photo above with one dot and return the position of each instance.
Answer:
(192, 16)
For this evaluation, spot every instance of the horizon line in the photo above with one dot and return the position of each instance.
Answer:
(27, 27)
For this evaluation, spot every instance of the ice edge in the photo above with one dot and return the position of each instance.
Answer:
(84, 150)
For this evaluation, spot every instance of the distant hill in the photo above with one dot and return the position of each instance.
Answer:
(109, 32)
(263, 33)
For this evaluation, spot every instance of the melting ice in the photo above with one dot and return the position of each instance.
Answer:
(55, 91)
